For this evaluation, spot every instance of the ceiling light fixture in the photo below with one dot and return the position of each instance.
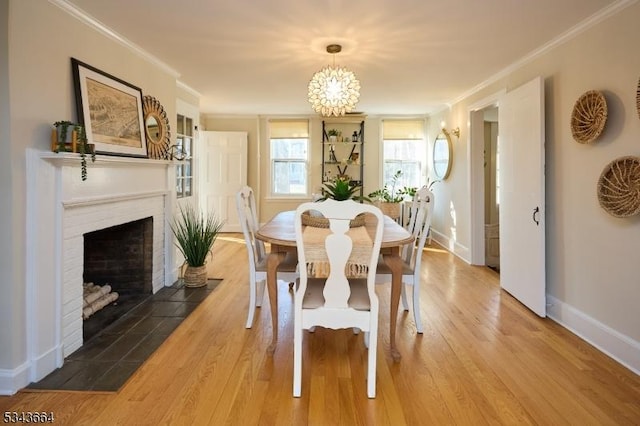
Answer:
(334, 90)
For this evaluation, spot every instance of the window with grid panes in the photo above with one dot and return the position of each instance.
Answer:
(184, 170)
(404, 148)
(289, 155)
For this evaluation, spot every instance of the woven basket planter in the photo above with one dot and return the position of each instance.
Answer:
(390, 209)
(589, 117)
(619, 187)
(195, 276)
(321, 222)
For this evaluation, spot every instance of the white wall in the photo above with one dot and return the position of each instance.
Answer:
(40, 39)
(593, 278)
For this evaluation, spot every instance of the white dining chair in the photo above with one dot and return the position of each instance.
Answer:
(336, 288)
(287, 270)
(419, 224)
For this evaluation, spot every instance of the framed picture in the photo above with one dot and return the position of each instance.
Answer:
(110, 110)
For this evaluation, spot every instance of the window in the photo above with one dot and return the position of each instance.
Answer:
(184, 145)
(289, 154)
(403, 148)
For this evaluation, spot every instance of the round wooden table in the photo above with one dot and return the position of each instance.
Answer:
(280, 233)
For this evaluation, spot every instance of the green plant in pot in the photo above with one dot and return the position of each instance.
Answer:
(333, 134)
(389, 199)
(341, 189)
(63, 142)
(195, 234)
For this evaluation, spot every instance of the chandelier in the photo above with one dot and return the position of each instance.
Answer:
(334, 90)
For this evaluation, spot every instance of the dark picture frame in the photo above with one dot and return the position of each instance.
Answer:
(110, 109)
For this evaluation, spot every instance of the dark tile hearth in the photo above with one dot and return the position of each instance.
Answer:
(108, 358)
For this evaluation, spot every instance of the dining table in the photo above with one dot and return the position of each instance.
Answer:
(280, 233)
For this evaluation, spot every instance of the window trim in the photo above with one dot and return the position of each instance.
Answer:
(424, 169)
(307, 162)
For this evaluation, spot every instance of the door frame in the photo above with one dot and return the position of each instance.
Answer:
(475, 174)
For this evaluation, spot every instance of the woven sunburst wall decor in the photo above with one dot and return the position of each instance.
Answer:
(589, 116)
(619, 187)
(156, 128)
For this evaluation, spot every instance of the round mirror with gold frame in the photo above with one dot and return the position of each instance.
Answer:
(442, 156)
(156, 126)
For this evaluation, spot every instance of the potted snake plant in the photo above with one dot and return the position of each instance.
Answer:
(194, 236)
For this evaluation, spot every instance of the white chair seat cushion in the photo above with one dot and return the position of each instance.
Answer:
(359, 299)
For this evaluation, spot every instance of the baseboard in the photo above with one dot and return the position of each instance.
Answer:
(11, 381)
(622, 348)
(453, 246)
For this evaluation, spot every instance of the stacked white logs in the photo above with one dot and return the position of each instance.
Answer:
(96, 297)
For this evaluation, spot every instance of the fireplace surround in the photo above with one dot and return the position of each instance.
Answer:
(61, 209)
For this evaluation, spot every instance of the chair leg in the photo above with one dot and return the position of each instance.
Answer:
(371, 367)
(297, 361)
(405, 304)
(252, 300)
(416, 306)
(366, 339)
(260, 286)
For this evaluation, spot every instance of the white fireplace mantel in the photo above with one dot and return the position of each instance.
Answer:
(61, 207)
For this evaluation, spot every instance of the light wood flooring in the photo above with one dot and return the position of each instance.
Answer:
(483, 359)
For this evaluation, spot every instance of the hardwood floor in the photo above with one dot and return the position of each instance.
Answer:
(483, 359)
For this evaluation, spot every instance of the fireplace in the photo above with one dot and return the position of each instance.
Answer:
(118, 259)
(62, 210)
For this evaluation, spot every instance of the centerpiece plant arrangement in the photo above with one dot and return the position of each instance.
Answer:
(195, 234)
(65, 142)
(339, 189)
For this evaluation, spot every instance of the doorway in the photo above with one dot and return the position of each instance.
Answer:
(484, 178)
(520, 193)
(491, 188)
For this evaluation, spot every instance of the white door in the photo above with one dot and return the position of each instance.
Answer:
(522, 208)
(224, 172)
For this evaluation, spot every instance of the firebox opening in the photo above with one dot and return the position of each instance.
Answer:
(119, 257)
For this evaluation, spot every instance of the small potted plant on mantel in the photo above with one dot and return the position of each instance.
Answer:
(71, 137)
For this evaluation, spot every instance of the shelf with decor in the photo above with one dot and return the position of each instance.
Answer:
(343, 150)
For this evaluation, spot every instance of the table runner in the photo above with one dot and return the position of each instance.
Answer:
(317, 261)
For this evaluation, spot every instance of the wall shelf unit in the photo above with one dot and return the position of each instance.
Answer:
(343, 143)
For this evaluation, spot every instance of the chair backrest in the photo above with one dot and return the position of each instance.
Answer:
(419, 224)
(248, 217)
(421, 198)
(338, 252)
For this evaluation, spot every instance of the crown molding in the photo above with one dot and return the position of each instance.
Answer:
(572, 32)
(188, 89)
(90, 21)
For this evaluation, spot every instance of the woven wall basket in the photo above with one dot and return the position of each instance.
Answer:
(588, 117)
(619, 187)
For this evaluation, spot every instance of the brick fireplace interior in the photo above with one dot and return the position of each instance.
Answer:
(122, 257)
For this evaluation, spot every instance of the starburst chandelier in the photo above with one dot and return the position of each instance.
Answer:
(334, 90)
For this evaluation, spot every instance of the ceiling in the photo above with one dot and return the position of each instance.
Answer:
(411, 56)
